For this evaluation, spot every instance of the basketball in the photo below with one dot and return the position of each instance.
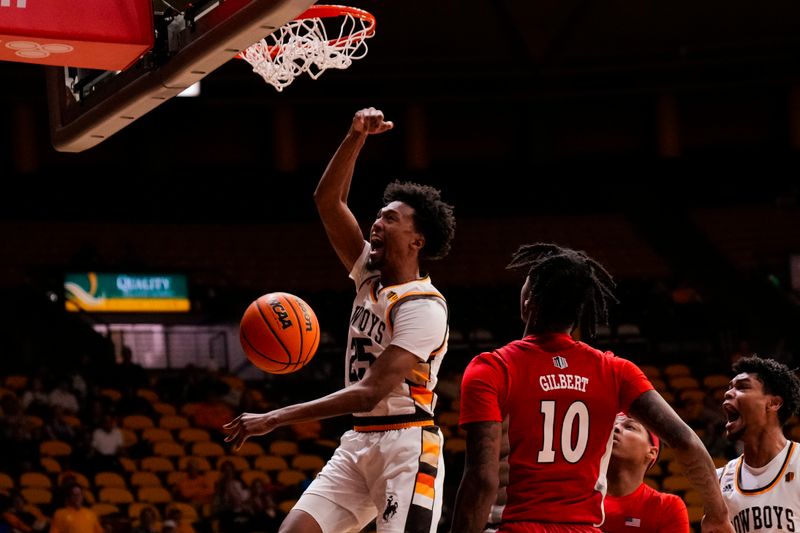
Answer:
(279, 333)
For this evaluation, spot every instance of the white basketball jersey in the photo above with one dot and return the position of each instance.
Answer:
(372, 329)
(772, 503)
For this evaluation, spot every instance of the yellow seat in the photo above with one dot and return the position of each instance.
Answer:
(250, 475)
(233, 382)
(135, 510)
(652, 372)
(659, 384)
(283, 448)
(157, 464)
(128, 464)
(16, 382)
(201, 463)
(115, 495)
(207, 449)
(189, 512)
(112, 394)
(448, 418)
(212, 476)
(129, 438)
(683, 382)
(715, 381)
(154, 434)
(690, 394)
(137, 422)
(654, 471)
(675, 483)
(455, 445)
(147, 394)
(35, 479)
(164, 409)
(103, 509)
(675, 370)
(653, 483)
(154, 495)
(328, 443)
(174, 477)
(240, 464)
(695, 513)
(6, 482)
(79, 478)
(37, 495)
(693, 497)
(55, 448)
(193, 435)
(286, 505)
(109, 479)
(72, 421)
(250, 449)
(308, 463)
(719, 462)
(50, 465)
(33, 421)
(145, 479)
(173, 422)
(168, 448)
(675, 468)
(290, 477)
(271, 463)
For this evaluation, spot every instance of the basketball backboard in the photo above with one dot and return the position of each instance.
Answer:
(192, 40)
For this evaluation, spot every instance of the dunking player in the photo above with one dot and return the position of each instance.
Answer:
(762, 486)
(561, 398)
(390, 465)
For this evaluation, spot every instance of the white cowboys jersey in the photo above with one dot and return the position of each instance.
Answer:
(412, 316)
(767, 500)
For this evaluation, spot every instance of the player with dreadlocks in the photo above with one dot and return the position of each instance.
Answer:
(560, 398)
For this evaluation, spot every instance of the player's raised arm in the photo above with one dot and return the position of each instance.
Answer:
(333, 188)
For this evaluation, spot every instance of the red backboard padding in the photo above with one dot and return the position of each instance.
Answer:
(99, 34)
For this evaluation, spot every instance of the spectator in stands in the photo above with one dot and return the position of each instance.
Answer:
(213, 413)
(57, 428)
(17, 518)
(74, 517)
(63, 396)
(629, 501)
(175, 522)
(127, 373)
(148, 522)
(265, 514)
(18, 437)
(230, 501)
(35, 400)
(195, 488)
(107, 445)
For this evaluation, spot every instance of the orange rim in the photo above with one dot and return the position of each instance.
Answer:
(330, 11)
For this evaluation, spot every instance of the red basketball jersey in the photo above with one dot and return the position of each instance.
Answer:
(561, 398)
(648, 510)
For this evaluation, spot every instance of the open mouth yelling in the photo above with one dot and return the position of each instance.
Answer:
(733, 416)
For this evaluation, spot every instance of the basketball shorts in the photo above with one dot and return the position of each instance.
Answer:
(395, 477)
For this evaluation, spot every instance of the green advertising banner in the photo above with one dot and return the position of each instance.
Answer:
(115, 293)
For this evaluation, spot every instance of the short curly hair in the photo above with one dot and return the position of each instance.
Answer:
(432, 217)
(778, 379)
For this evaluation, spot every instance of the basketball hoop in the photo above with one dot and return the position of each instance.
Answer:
(303, 45)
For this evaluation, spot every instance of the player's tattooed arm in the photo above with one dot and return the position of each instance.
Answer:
(655, 413)
(478, 487)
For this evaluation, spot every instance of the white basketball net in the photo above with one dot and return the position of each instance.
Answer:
(304, 46)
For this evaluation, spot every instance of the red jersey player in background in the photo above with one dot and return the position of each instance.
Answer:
(561, 398)
(630, 502)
